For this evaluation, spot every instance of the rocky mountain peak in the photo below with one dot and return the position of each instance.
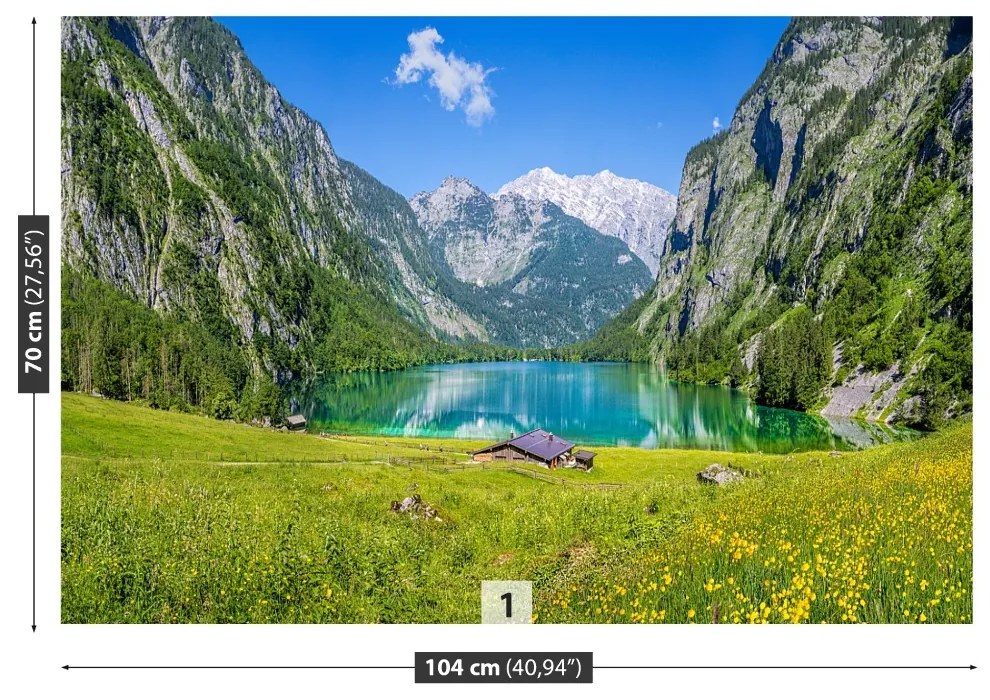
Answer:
(454, 182)
(633, 211)
(448, 201)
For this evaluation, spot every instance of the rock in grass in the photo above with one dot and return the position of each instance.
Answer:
(719, 475)
(414, 506)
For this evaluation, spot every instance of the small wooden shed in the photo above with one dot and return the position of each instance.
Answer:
(296, 422)
(584, 459)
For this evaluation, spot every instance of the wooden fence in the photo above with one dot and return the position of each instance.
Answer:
(540, 475)
(442, 463)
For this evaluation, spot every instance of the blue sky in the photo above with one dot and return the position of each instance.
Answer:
(579, 95)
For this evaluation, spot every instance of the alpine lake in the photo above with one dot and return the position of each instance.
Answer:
(595, 403)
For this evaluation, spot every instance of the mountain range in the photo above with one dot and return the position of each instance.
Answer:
(194, 192)
(536, 275)
(819, 251)
(635, 212)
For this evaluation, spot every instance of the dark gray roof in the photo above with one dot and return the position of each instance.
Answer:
(542, 444)
(584, 454)
(487, 448)
(296, 420)
(535, 442)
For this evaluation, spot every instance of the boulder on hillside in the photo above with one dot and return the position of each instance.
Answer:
(416, 508)
(719, 475)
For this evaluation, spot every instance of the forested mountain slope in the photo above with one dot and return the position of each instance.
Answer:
(822, 246)
(215, 245)
(194, 191)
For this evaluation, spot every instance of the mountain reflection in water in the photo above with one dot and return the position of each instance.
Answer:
(600, 403)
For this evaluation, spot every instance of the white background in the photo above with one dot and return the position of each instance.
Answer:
(31, 662)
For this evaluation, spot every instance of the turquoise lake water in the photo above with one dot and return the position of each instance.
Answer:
(598, 403)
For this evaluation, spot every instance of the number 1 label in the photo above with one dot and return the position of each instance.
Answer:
(506, 602)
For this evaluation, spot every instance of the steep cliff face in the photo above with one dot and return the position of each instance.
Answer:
(485, 241)
(635, 212)
(536, 276)
(386, 218)
(843, 184)
(190, 184)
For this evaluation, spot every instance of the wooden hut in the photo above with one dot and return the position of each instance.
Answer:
(584, 459)
(536, 447)
(296, 422)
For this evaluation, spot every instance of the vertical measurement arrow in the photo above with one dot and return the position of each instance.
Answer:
(34, 211)
(34, 397)
(33, 315)
(34, 522)
(34, 115)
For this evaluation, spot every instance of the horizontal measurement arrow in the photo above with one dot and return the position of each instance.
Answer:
(67, 667)
(801, 668)
(662, 668)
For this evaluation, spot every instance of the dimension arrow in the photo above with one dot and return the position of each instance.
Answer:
(971, 667)
(238, 668)
(34, 521)
(34, 115)
(785, 668)
(34, 211)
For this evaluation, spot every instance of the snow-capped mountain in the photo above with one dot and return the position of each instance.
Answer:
(633, 211)
(485, 241)
(534, 275)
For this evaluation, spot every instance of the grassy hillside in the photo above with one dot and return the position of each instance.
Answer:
(169, 517)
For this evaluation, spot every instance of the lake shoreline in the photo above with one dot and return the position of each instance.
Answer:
(556, 356)
(447, 445)
(592, 403)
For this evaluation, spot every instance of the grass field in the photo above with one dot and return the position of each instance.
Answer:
(169, 517)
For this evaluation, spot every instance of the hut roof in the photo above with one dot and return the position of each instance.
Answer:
(584, 455)
(538, 443)
(542, 444)
(488, 448)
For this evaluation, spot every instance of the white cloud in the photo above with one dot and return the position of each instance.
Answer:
(716, 125)
(461, 84)
(659, 125)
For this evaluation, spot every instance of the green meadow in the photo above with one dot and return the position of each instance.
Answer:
(172, 518)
